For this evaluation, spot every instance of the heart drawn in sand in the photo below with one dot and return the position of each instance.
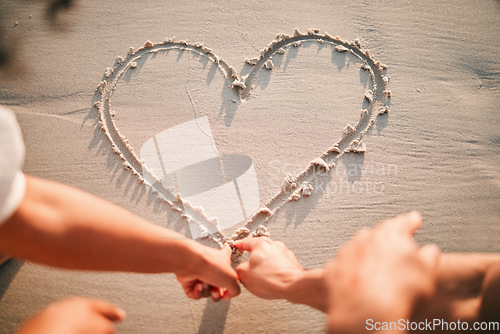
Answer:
(377, 102)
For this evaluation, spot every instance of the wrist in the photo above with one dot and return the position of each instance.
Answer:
(188, 256)
(307, 287)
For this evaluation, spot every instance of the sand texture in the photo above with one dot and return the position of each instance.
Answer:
(257, 114)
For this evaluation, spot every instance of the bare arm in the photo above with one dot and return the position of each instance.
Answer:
(381, 274)
(64, 227)
(468, 288)
(364, 280)
(309, 288)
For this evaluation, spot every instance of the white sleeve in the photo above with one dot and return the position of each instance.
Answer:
(12, 180)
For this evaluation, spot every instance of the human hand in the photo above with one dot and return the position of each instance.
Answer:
(212, 276)
(273, 272)
(271, 269)
(77, 315)
(380, 275)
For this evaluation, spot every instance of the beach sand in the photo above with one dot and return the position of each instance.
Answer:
(436, 150)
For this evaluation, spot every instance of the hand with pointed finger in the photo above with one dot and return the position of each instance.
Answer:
(212, 277)
(77, 315)
(380, 274)
(271, 267)
(273, 272)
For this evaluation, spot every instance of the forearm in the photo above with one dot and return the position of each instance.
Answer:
(64, 227)
(308, 288)
(461, 287)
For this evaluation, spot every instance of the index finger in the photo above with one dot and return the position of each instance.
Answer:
(110, 311)
(226, 250)
(249, 244)
(406, 224)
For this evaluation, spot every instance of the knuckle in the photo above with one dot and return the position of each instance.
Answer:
(242, 272)
(281, 246)
(362, 234)
(264, 240)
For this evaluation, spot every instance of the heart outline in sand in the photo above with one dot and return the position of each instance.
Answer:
(378, 103)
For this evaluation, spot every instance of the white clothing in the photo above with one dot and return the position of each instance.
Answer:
(12, 180)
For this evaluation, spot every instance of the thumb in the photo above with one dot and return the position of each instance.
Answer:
(109, 311)
(226, 250)
(242, 271)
